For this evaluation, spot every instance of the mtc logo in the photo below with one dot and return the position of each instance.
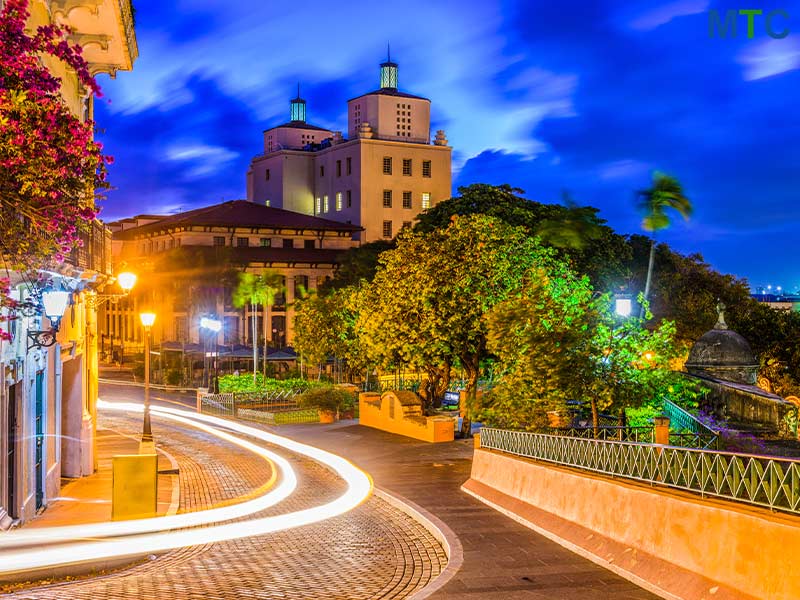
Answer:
(727, 28)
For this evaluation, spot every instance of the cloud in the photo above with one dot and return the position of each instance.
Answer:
(770, 57)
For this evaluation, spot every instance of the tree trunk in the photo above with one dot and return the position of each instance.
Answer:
(595, 417)
(472, 369)
(649, 275)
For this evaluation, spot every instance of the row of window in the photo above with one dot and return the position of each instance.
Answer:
(407, 200)
(244, 242)
(323, 203)
(151, 246)
(408, 166)
(388, 228)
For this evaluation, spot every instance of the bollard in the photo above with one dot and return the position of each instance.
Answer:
(477, 440)
(200, 393)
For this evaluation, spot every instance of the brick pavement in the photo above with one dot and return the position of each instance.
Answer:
(374, 551)
(502, 558)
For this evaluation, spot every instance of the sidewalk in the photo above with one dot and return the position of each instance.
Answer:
(502, 559)
(88, 499)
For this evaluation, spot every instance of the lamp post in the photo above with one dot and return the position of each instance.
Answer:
(147, 445)
(213, 327)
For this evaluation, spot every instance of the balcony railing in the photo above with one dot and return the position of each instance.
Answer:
(759, 480)
(95, 252)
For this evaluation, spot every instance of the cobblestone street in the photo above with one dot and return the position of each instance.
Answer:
(374, 551)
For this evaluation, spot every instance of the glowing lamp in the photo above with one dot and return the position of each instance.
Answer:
(623, 307)
(213, 325)
(55, 303)
(126, 281)
(147, 319)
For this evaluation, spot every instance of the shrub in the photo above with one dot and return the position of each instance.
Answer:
(173, 377)
(328, 398)
(244, 383)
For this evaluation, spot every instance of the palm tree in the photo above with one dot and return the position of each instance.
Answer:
(665, 193)
(257, 289)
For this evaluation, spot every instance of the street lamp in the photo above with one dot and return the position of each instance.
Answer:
(55, 303)
(213, 326)
(147, 445)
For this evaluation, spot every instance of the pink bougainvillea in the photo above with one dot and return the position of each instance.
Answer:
(51, 168)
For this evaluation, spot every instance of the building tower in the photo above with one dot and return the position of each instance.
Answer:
(298, 108)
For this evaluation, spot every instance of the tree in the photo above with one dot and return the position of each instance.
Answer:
(426, 304)
(256, 289)
(666, 193)
(51, 169)
(357, 265)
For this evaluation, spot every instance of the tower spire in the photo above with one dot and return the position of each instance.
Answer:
(389, 71)
(298, 107)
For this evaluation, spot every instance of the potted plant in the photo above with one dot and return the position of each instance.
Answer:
(330, 401)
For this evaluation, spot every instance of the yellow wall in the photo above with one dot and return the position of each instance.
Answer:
(388, 414)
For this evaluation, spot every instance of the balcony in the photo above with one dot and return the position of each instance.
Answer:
(95, 253)
(103, 28)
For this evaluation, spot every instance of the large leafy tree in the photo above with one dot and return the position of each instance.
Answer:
(51, 169)
(666, 194)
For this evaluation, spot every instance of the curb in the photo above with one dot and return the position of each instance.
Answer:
(439, 530)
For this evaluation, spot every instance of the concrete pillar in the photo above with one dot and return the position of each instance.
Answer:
(661, 430)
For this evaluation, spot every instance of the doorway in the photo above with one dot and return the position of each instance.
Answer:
(11, 452)
(39, 440)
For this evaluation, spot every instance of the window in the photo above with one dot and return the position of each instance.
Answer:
(338, 168)
(387, 198)
(266, 202)
(242, 242)
(406, 224)
(319, 205)
(349, 198)
(181, 329)
(387, 165)
(266, 242)
(406, 199)
(426, 168)
(325, 203)
(308, 244)
(426, 201)
(406, 166)
(322, 170)
(300, 285)
(349, 165)
(387, 229)
(266, 175)
(338, 201)
(219, 240)
(288, 243)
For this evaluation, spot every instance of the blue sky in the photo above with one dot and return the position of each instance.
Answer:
(583, 96)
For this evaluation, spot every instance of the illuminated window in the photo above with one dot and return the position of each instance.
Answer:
(406, 166)
(266, 242)
(266, 202)
(266, 175)
(387, 165)
(325, 204)
(338, 168)
(242, 242)
(349, 198)
(426, 168)
(338, 201)
(219, 240)
(426, 201)
(387, 229)
(406, 199)
(319, 205)
(387, 198)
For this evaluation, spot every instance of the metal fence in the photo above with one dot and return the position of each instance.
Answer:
(682, 420)
(759, 480)
(639, 435)
(278, 408)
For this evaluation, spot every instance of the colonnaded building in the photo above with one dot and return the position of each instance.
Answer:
(311, 195)
(385, 173)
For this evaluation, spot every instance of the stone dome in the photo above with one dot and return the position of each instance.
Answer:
(723, 354)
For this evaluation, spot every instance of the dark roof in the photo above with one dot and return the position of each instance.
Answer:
(391, 92)
(237, 213)
(299, 125)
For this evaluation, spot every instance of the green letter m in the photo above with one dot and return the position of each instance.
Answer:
(715, 24)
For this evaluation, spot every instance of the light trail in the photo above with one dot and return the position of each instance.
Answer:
(359, 488)
(277, 494)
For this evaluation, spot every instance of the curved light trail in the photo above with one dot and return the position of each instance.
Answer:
(277, 494)
(359, 488)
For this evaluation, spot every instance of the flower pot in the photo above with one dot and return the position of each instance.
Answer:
(327, 416)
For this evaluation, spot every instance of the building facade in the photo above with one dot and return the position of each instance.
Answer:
(48, 394)
(189, 264)
(381, 177)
